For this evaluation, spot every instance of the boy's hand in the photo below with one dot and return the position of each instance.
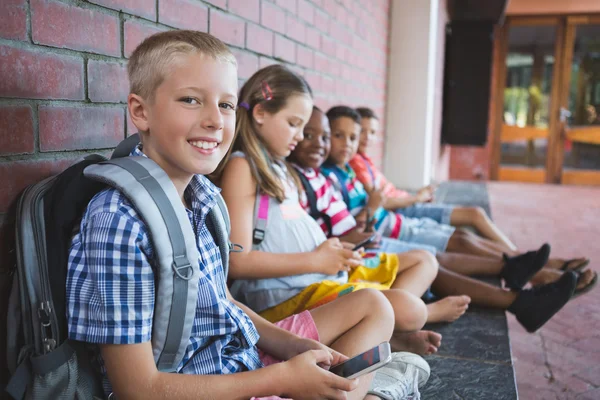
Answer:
(358, 235)
(376, 199)
(302, 345)
(307, 380)
(332, 256)
(425, 195)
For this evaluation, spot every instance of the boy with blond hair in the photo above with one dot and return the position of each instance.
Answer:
(183, 102)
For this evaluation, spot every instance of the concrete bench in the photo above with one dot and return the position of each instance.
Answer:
(474, 361)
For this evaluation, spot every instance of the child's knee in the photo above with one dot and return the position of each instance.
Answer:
(427, 260)
(379, 307)
(477, 214)
(415, 316)
(411, 312)
(461, 237)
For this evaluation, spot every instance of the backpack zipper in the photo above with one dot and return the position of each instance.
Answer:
(35, 217)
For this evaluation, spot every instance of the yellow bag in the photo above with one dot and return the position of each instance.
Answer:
(382, 277)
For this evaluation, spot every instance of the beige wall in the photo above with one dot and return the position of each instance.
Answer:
(414, 92)
(538, 7)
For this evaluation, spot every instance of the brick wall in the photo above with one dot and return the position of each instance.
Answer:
(63, 83)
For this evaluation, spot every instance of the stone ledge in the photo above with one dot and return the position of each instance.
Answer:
(474, 361)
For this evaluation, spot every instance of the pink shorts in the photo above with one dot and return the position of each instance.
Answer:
(302, 325)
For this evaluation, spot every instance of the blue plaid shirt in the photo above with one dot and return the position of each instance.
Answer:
(110, 286)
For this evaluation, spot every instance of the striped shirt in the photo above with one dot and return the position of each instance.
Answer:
(111, 286)
(329, 203)
(388, 222)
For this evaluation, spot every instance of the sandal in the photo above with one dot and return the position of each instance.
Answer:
(586, 288)
(565, 266)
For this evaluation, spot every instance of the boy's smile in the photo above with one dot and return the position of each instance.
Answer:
(314, 149)
(344, 140)
(189, 123)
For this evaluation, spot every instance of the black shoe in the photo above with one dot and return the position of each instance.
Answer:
(518, 270)
(534, 307)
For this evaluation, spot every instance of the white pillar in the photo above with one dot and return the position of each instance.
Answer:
(411, 92)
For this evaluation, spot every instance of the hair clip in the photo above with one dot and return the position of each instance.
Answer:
(266, 91)
(245, 105)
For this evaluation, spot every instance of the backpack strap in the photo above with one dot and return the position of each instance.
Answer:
(155, 198)
(340, 185)
(371, 173)
(311, 196)
(219, 225)
(126, 146)
(261, 211)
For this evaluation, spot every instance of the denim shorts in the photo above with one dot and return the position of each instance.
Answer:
(388, 245)
(426, 231)
(440, 213)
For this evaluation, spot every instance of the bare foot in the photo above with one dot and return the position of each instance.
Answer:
(422, 343)
(572, 264)
(448, 309)
(547, 275)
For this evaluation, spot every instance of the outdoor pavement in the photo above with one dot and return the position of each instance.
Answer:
(561, 360)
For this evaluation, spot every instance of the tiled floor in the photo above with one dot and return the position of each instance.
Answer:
(562, 360)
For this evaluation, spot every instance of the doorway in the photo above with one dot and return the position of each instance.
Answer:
(548, 85)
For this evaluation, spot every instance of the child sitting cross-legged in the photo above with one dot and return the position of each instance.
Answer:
(292, 266)
(533, 307)
(183, 100)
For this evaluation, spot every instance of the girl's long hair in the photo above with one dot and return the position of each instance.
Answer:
(270, 87)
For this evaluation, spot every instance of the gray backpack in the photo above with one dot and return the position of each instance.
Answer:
(43, 362)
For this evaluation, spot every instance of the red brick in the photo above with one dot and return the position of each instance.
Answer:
(13, 19)
(331, 8)
(321, 63)
(131, 128)
(17, 175)
(107, 81)
(141, 8)
(338, 32)
(259, 39)
(247, 63)
(285, 49)
(306, 11)
(305, 57)
(328, 45)
(135, 33)
(295, 29)
(249, 9)
(183, 14)
(62, 25)
(289, 5)
(227, 28)
(16, 129)
(39, 75)
(314, 80)
(79, 128)
(352, 22)
(218, 3)
(272, 17)
(265, 62)
(313, 38)
(322, 21)
(340, 53)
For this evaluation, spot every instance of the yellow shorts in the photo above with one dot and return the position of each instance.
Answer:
(382, 277)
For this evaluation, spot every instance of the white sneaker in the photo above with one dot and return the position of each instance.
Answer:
(401, 378)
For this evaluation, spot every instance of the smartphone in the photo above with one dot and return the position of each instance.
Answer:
(365, 242)
(364, 363)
